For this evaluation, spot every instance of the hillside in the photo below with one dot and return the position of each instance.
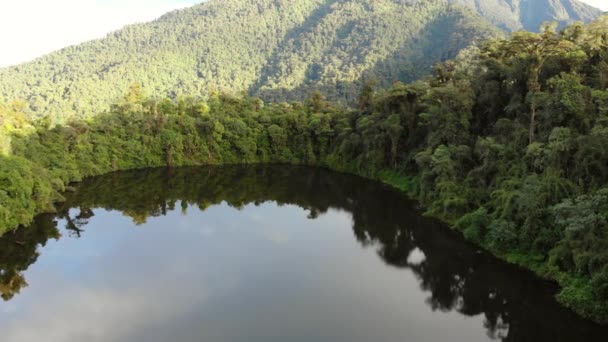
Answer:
(513, 15)
(281, 49)
(277, 49)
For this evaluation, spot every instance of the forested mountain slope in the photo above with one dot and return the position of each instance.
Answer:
(280, 49)
(277, 49)
(513, 15)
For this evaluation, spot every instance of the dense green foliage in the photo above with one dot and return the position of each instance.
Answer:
(279, 50)
(142, 132)
(506, 143)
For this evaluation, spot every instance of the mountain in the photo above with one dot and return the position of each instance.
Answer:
(276, 49)
(513, 15)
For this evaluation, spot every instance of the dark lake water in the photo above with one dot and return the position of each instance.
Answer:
(261, 253)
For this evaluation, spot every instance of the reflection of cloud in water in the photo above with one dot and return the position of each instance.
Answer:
(500, 331)
(88, 314)
(284, 276)
(416, 257)
(277, 237)
(207, 230)
(276, 222)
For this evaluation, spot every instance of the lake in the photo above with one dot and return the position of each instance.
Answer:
(261, 253)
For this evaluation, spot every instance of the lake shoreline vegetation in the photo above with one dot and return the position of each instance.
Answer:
(505, 143)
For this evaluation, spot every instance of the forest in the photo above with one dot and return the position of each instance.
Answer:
(505, 143)
(275, 50)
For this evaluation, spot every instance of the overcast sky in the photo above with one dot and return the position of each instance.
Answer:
(30, 28)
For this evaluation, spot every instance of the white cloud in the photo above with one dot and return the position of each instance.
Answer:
(90, 315)
(30, 28)
(601, 4)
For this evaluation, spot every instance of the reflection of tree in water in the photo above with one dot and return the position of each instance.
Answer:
(19, 250)
(75, 225)
(516, 306)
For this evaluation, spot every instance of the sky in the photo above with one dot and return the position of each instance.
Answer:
(31, 28)
(601, 4)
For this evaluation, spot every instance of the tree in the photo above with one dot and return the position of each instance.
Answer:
(533, 50)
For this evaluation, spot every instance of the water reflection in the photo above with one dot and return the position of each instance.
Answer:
(454, 276)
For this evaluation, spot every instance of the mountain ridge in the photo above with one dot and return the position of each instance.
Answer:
(277, 49)
(513, 15)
